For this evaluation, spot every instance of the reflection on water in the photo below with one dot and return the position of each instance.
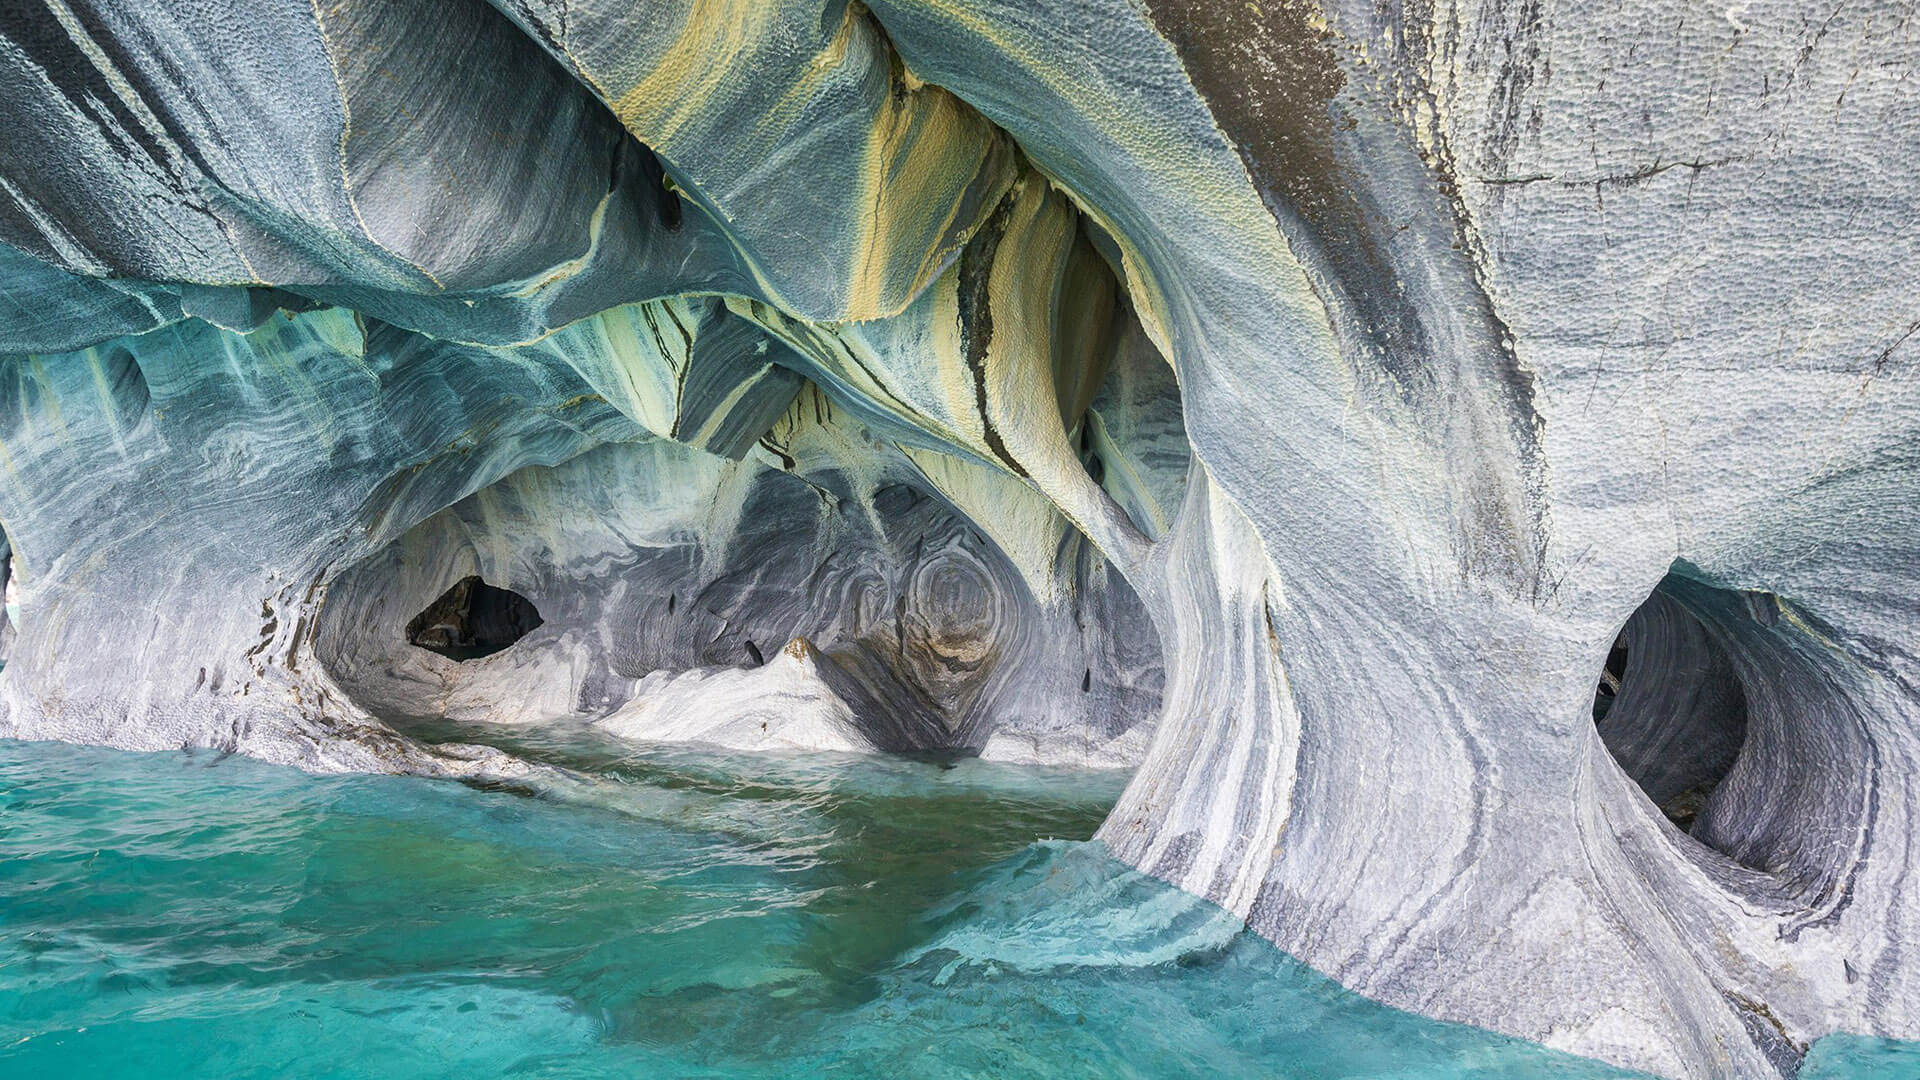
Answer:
(658, 914)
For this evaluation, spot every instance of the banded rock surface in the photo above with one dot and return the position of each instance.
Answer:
(1304, 403)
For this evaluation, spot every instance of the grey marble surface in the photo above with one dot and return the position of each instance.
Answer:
(1292, 402)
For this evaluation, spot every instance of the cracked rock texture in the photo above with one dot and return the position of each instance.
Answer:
(1296, 402)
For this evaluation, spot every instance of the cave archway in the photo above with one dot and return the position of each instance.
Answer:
(881, 610)
(1670, 705)
(473, 619)
(1744, 718)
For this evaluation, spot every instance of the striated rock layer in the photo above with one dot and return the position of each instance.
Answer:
(1307, 405)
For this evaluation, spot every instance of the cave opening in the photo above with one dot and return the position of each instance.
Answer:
(886, 623)
(473, 619)
(1670, 706)
(1605, 694)
(10, 616)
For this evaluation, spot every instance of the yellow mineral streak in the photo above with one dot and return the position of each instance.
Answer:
(684, 77)
(927, 151)
(1023, 285)
(928, 162)
(1048, 302)
(721, 412)
(649, 354)
(851, 359)
(596, 228)
(1046, 318)
(916, 151)
(1249, 238)
(1081, 331)
(1027, 358)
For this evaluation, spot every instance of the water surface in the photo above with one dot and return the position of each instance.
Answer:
(666, 914)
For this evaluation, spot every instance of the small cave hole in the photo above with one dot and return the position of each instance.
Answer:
(1670, 706)
(473, 619)
(1610, 677)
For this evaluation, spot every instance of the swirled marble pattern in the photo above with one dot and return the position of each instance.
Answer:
(1295, 399)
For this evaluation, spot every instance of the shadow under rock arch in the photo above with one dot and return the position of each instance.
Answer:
(1737, 718)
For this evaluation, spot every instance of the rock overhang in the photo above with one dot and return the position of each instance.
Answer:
(1332, 387)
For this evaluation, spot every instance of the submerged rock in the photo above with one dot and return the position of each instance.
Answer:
(1294, 400)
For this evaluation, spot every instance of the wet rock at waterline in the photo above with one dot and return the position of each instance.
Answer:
(1294, 402)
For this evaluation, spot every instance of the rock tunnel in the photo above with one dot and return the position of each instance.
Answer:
(1299, 410)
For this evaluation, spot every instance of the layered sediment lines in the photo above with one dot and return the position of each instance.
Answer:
(1304, 405)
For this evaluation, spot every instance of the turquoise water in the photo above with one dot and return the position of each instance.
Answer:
(667, 914)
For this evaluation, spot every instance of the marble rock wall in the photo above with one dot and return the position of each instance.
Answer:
(689, 597)
(1298, 400)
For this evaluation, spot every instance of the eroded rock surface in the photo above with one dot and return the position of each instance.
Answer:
(1296, 401)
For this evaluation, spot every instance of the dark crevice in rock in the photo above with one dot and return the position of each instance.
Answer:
(473, 619)
(123, 386)
(1608, 691)
(976, 321)
(667, 208)
(9, 586)
(1671, 708)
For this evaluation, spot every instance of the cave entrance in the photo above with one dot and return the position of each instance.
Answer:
(10, 618)
(1670, 706)
(1611, 675)
(473, 619)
